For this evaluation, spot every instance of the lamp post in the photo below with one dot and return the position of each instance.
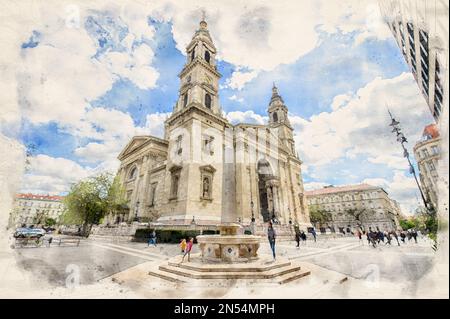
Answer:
(402, 140)
(136, 218)
(253, 213)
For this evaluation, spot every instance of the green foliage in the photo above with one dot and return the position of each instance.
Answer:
(406, 224)
(91, 199)
(318, 216)
(50, 222)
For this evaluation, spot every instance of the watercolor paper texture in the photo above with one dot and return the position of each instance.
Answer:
(219, 111)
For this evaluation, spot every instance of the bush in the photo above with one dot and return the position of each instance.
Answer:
(169, 236)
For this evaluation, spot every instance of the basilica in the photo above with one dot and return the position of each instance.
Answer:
(206, 170)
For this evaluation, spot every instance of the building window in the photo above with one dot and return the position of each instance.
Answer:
(431, 166)
(193, 54)
(133, 173)
(275, 117)
(434, 150)
(153, 194)
(185, 99)
(425, 153)
(207, 144)
(179, 140)
(175, 184)
(208, 100)
(207, 56)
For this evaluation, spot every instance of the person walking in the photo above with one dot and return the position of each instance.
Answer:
(272, 237)
(414, 235)
(373, 237)
(359, 234)
(152, 239)
(313, 232)
(183, 245)
(297, 238)
(402, 236)
(188, 249)
(394, 234)
(388, 238)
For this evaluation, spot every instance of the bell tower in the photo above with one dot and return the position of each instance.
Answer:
(199, 79)
(278, 118)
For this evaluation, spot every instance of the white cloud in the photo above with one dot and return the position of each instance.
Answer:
(340, 100)
(259, 35)
(360, 124)
(362, 17)
(401, 188)
(246, 117)
(238, 79)
(314, 185)
(133, 65)
(52, 175)
(235, 98)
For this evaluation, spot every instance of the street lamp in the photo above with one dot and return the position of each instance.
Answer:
(136, 218)
(402, 140)
(253, 214)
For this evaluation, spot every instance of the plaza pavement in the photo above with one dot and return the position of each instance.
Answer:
(408, 271)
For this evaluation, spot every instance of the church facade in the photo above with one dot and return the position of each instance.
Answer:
(206, 170)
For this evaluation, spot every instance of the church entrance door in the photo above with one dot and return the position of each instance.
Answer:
(264, 174)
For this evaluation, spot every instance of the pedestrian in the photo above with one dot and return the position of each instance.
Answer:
(188, 249)
(152, 239)
(388, 238)
(313, 232)
(394, 233)
(303, 236)
(297, 238)
(402, 236)
(359, 234)
(414, 235)
(373, 237)
(183, 245)
(272, 237)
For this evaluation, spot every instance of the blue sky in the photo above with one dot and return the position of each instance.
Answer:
(120, 78)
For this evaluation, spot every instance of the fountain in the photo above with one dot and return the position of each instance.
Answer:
(229, 255)
(229, 246)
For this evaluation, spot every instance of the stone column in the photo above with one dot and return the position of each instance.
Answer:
(275, 201)
(269, 199)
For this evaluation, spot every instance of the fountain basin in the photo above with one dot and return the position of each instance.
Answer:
(229, 246)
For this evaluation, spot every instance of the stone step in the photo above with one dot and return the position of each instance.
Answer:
(289, 277)
(229, 268)
(230, 275)
(167, 276)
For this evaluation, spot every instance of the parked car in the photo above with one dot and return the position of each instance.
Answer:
(24, 232)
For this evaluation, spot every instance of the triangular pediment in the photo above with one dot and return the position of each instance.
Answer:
(132, 145)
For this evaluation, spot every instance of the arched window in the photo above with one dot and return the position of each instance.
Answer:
(207, 56)
(193, 54)
(185, 99)
(174, 190)
(132, 173)
(208, 101)
(275, 117)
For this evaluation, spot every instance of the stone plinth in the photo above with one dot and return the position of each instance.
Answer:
(229, 246)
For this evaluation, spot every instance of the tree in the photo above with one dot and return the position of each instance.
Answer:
(319, 216)
(91, 199)
(356, 214)
(50, 221)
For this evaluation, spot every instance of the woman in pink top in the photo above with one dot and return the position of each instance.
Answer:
(187, 252)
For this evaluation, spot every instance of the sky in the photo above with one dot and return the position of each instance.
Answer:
(84, 78)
